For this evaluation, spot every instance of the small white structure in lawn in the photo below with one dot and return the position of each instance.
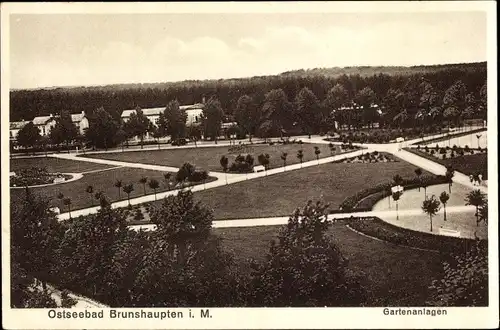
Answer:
(449, 232)
(259, 168)
(55, 209)
(59, 178)
(397, 189)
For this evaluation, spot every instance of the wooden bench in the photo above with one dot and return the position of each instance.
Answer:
(449, 232)
(259, 168)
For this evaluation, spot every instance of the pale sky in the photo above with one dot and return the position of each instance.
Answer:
(88, 49)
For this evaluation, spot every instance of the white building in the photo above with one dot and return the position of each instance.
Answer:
(15, 127)
(194, 113)
(46, 123)
(81, 121)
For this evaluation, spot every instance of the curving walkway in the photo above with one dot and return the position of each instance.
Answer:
(221, 178)
(273, 221)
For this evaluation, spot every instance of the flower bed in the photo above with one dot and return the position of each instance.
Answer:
(370, 157)
(383, 135)
(35, 177)
(361, 199)
(447, 152)
(407, 237)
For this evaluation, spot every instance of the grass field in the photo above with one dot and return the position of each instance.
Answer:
(101, 181)
(209, 157)
(395, 276)
(280, 194)
(55, 165)
(468, 164)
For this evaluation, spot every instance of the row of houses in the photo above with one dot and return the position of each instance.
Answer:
(46, 123)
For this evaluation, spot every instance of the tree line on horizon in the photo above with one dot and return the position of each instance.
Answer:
(420, 101)
(27, 104)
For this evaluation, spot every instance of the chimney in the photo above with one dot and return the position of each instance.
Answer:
(203, 100)
(51, 115)
(83, 112)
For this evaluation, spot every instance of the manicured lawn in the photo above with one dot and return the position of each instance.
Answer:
(280, 194)
(209, 157)
(55, 165)
(101, 181)
(470, 164)
(395, 276)
(467, 164)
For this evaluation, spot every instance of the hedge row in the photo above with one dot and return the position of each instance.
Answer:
(383, 190)
(407, 237)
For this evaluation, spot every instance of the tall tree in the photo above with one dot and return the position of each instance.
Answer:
(28, 136)
(35, 235)
(212, 118)
(247, 115)
(284, 155)
(102, 129)
(418, 173)
(454, 101)
(464, 280)
(278, 110)
(476, 198)
(444, 197)
(128, 188)
(64, 130)
(304, 267)
(143, 180)
(118, 185)
(173, 121)
(308, 111)
(154, 184)
(188, 258)
(450, 173)
(431, 207)
(90, 190)
(224, 162)
(138, 125)
(366, 99)
(86, 250)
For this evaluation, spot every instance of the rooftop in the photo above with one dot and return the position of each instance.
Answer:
(157, 111)
(18, 124)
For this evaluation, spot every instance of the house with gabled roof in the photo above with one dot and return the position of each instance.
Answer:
(15, 127)
(44, 124)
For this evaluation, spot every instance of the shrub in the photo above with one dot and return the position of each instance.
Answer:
(138, 215)
(444, 156)
(442, 151)
(433, 152)
(464, 281)
(402, 236)
(198, 175)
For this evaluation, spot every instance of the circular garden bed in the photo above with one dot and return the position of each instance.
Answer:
(36, 177)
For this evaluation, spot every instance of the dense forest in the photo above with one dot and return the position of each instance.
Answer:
(26, 104)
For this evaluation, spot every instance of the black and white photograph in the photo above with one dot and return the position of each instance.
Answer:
(196, 165)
